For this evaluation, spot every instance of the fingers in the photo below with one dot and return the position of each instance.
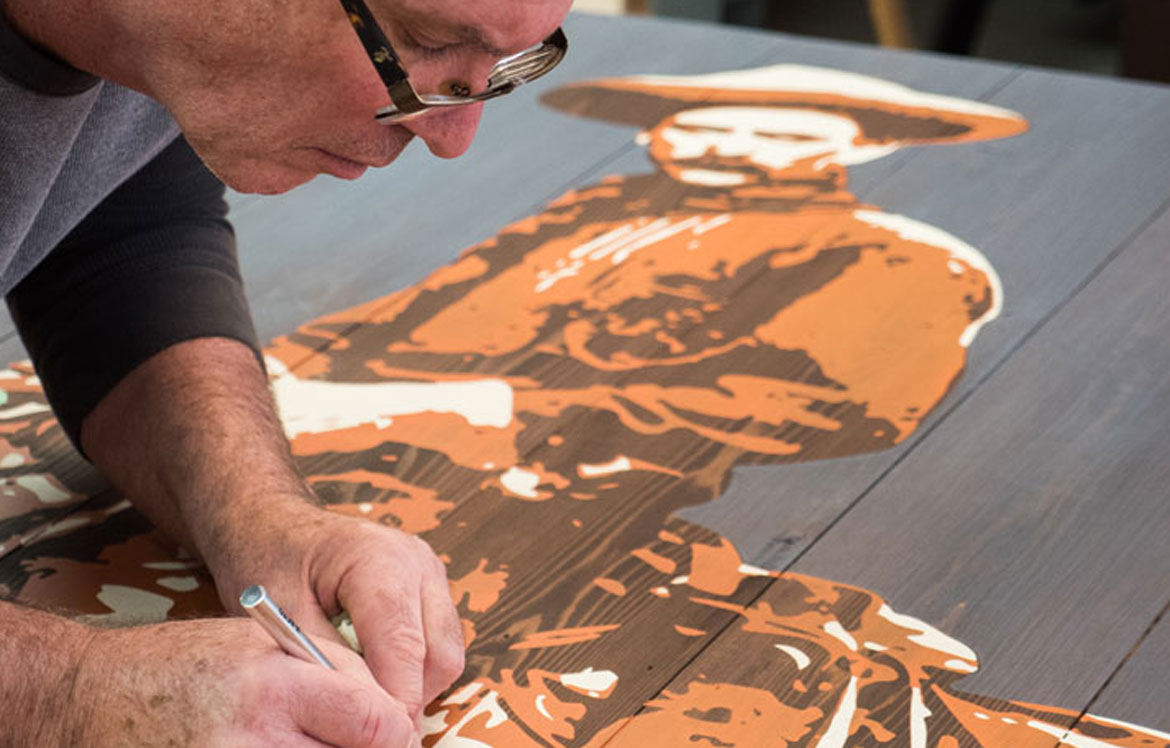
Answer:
(387, 614)
(339, 711)
(444, 635)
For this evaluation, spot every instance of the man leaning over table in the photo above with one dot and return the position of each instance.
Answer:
(119, 120)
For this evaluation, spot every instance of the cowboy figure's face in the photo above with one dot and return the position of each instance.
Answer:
(734, 146)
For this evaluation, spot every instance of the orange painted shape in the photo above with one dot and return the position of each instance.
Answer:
(659, 562)
(562, 637)
(611, 586)
(418, 511)
(718, 714)
(688, 631)
(715, 569)
(480, 588)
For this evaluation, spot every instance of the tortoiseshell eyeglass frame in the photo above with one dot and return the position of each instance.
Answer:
(508, 73)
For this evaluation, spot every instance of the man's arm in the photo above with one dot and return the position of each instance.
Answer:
(139, 331)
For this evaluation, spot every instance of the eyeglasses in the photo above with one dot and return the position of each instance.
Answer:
(504, 77)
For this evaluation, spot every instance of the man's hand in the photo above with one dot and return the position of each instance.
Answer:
(315, 564)
(217, 682)
(191, 437)
(223, 682)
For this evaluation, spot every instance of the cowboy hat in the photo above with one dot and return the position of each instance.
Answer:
(886, 111)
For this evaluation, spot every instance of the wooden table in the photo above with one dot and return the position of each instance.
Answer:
(1022, 511)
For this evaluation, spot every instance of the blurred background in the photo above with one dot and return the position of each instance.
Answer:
(1111, 37)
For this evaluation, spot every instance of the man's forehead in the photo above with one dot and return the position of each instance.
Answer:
(766, 118)
(496, 27)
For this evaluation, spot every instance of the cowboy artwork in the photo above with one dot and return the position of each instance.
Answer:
(541, 407)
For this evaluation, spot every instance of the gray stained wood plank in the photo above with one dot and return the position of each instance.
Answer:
(1042, 208)
(1032, 523)
(1140, 691)
(1029, 613)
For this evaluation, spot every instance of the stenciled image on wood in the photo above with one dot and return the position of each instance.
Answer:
(539, 409)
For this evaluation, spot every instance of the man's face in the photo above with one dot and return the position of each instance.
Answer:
(732, 146)
(272, 94)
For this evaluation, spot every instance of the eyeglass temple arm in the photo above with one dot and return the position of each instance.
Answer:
(378, 48)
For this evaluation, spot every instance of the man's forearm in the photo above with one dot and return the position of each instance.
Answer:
(42, 654)
(192, 438)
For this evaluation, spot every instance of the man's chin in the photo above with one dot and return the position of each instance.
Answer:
(263, 178)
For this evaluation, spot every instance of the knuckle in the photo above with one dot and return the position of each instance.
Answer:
(450, 668)
(371, 726)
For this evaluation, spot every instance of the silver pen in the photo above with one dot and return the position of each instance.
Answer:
(288, 636)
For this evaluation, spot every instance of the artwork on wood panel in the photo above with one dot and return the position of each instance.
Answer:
(540, 408)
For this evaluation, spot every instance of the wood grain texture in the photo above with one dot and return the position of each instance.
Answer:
(1043, 227)
(1032, 522)
(998, 521)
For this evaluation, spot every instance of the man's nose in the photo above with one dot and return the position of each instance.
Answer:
(448, 132)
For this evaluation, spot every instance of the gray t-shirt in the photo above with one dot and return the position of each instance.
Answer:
(114, 240)
(67, 139)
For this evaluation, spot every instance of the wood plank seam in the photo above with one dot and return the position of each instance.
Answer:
(1121, 664)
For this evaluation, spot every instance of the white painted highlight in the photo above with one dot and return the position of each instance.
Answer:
(521, 482)
(928, 636)
(463, 694)
(496, 717)
(837, 631)
(595, 682)
(838, 731)
(711, 178)
(619, 464)
(312, 406)
(802, 660)
(20, 411)
(755, 571)
(769, 138)
(12, 459)
(619, 244)
(918, 715)
(714, 223)
(876, 647)
(179, 584)
(58, 528)
(805, 78)
(961, 666)
(46, 490)
(134, 603)
(540, 706)
(916, 231)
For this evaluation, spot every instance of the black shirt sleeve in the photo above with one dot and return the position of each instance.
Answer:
(153, 265)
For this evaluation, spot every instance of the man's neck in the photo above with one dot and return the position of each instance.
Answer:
(76, 31)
